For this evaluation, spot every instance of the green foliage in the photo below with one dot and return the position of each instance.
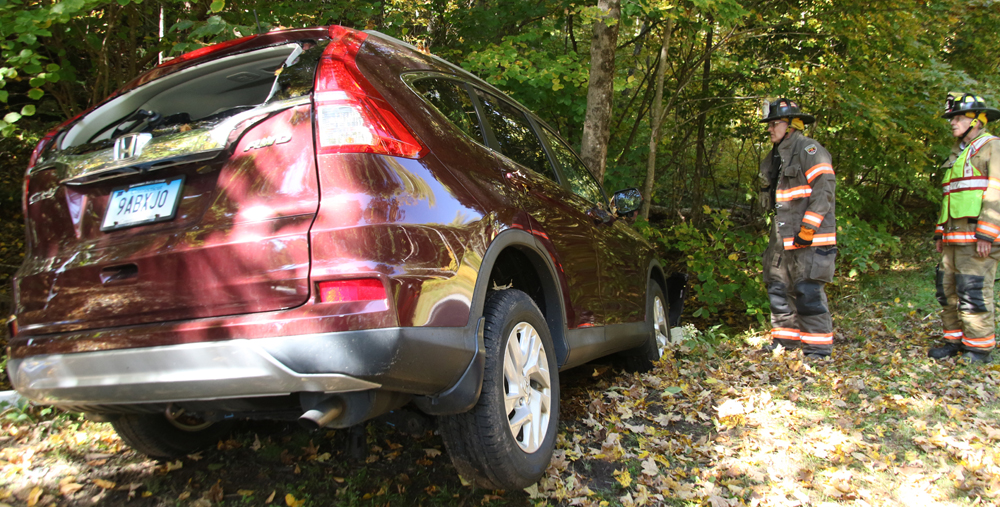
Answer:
(860, 245)
(725, 260)
(705, 342)
(26, 413)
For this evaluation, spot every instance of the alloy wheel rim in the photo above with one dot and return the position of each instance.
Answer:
(185, 422)
(527, 387)
(660, 326)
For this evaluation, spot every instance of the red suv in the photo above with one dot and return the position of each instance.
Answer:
(324, 224)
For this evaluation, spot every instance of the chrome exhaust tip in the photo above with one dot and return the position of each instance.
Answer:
(322, 414)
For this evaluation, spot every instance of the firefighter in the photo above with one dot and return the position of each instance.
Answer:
(798, 185)
(967, 229)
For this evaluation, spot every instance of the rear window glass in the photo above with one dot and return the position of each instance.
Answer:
(451, 99)
(202, 95)
(514, 134)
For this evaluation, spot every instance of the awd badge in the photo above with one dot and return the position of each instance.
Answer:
(268, 141)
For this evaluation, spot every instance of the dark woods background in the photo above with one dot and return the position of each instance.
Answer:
(875, 74)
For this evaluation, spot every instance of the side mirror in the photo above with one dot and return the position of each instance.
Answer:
(627, 201)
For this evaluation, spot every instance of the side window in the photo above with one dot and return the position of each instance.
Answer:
(513, 131)
(581, 181)
(454, 102)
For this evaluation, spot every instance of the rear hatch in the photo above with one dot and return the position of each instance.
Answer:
(189, 195)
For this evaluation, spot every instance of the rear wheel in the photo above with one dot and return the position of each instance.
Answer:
(169, 435)
(506, 440)
(642, 358)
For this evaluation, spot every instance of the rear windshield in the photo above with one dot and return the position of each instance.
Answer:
(201, 96)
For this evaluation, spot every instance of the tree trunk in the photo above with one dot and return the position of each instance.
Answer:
(600, 90)
(656, 121)
(699, 166)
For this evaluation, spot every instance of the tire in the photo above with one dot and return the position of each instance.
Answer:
(506, 440)
(158, 437)
(641, 359)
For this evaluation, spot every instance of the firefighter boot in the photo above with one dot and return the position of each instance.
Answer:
(787, 344)
(976, 357)
(946, 350)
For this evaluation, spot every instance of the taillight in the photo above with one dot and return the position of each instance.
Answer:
(35, 154)
(39, 148)
(351, 116)
(46, 140)
(24, 197)
(43, 144)
(12, 326)
(345, 291)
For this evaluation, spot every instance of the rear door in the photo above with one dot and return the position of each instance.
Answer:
(190, 196)
(619, 250)
(562, 223)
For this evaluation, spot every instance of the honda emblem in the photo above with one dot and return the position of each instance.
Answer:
(131, 145)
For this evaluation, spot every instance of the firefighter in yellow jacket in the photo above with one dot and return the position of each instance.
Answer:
(967, 230)
(798, 184)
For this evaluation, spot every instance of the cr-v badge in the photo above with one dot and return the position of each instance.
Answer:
(131, 145)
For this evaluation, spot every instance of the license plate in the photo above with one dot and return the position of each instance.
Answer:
(142, 203)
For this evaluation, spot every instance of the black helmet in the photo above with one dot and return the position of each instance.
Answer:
(960, 103)
(784, 108)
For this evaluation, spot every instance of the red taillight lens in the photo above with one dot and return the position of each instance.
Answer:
(12, 326)
(351, 116)
(345, 291)
(39, 148)
(46, 140)
(24, 197)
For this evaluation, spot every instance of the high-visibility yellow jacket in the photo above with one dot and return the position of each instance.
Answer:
(970, 209)
(805, 192)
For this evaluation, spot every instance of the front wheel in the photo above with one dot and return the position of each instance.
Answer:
(641, 358)
(506, 440)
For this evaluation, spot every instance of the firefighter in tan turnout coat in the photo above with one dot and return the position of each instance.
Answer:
(798, 184)
(967, 230)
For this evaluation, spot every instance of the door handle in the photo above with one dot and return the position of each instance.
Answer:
(518, 179)
(599, 215)
(114, 274)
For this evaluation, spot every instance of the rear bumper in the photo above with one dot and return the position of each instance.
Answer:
(420, 361)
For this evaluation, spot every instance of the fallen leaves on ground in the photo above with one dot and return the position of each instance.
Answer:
(749, 427)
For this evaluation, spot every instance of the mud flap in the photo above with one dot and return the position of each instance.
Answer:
(676, 290)
(462, 396)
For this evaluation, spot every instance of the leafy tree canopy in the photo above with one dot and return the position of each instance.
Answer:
(874, 72)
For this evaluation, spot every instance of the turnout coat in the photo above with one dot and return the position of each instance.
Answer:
(804, 195)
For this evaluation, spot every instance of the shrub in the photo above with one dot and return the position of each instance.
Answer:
(725, 259)
(859, 245)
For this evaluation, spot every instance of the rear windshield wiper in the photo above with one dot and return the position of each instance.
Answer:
(291, 60)
(140, 116)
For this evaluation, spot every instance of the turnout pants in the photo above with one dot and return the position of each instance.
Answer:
(796, 280)
(965, 291)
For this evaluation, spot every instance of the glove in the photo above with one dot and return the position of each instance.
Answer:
(764, 200)
(804, 238)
